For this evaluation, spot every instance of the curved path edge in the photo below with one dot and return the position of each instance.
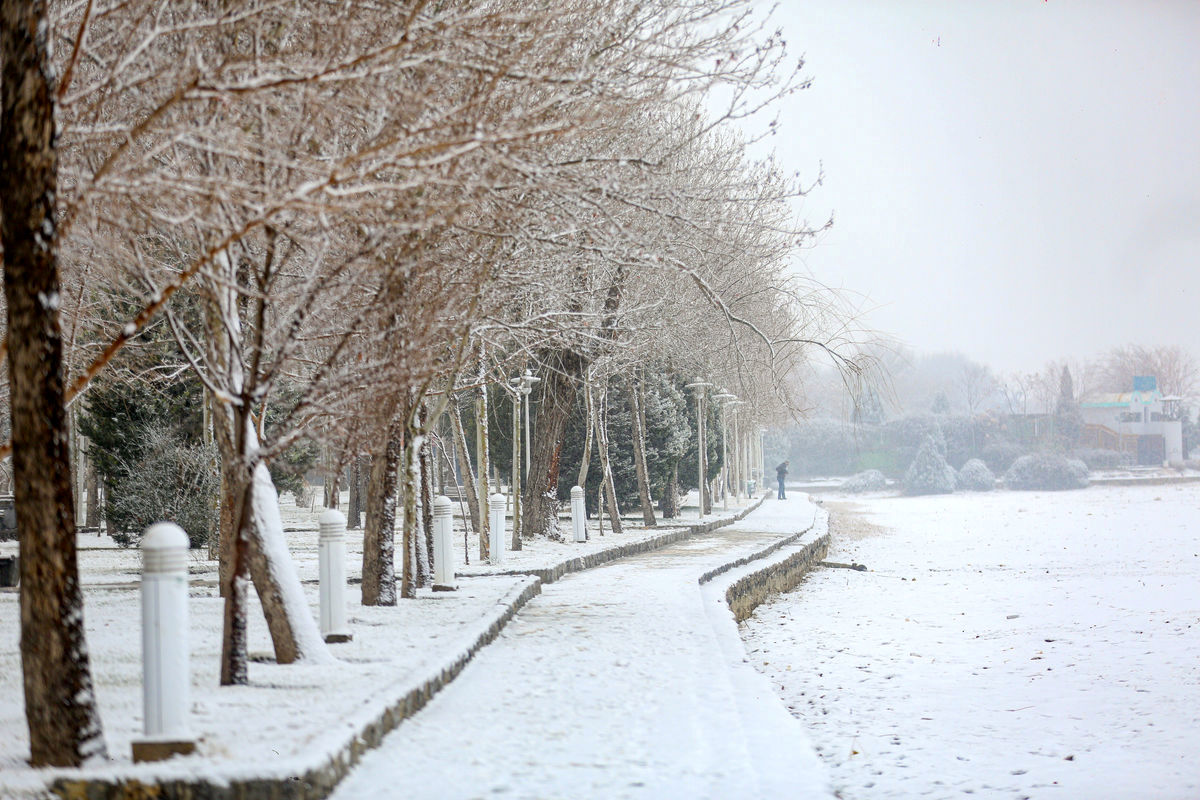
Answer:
(316, 777)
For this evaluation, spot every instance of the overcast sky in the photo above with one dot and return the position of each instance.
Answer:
(1017, 180)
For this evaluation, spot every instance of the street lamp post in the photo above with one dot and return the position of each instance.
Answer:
(698, 386)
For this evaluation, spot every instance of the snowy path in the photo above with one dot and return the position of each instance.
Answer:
(616, 682)
(1011, 645)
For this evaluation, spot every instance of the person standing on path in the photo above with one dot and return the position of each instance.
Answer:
(780, 474)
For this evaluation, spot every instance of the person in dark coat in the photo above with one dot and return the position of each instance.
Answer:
(781, 475)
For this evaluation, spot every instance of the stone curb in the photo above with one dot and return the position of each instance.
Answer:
(316, 782)
(600, 557)
(751, 590)
(320, 781)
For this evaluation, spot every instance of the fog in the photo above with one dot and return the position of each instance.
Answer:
(1018, 181)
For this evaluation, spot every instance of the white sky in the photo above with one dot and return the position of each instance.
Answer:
(1016, 180)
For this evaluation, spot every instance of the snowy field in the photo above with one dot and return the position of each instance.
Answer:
(1012, 644)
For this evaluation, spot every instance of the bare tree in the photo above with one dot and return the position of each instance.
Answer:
(60, 704)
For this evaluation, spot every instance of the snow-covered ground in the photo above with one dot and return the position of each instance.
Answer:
(626, 681)
(289, 712)
(1010, 644)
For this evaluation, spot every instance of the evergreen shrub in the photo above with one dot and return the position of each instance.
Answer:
(1046, 471)
(976, 477)
(929, 473)
(871, 480)
(1098, 459)
(999, 456)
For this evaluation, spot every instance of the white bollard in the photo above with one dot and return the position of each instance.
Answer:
(443, 554)
(331, 555)
(165, 675)
(579, 513)
(496, 529)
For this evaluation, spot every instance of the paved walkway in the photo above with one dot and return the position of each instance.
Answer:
(623, 681)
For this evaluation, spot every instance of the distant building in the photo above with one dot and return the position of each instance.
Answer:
(1144, 424)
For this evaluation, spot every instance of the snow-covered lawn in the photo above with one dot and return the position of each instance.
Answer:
(1011, 644)
(289, 715)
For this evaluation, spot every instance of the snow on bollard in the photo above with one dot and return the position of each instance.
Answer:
(578, 514)
(165, 678)
(332, 560)
(443, 554)
(496, 529)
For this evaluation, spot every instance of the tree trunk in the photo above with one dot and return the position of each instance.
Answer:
(354, 505)
(639, 455)
(560, 378)
(424, 464)
(260, 552)
(409, 489)
(467, 476)
(93, 496)
(333, 475)
(516, 476)
(60, 704)
(379, 535)
(669, 502)
(481, 452)
(606, 478)
(586, 461)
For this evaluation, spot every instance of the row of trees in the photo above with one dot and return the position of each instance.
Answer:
(339, 221)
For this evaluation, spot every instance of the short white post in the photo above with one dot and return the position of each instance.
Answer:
(496, 529)
(165, 675)
(331, 558)
(443, 553)
(579, 513)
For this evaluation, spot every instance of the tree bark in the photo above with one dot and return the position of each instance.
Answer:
(606, 477)
(516, 476)
(60, 703)
(639, 455)
(560, 376)
(669, 502)
(379, 535)
(409, 539)
(93, 497)
(481, 452)
(424, 464)
(354, 506)
(587, 439)
(333, 475)
(467, 478)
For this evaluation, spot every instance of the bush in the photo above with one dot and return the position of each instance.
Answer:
(1098, 459)
(999, 456)
(1046, 471)
(929, 473)
(172, 481)
(976, 477)
(822, 447)
(870, 481)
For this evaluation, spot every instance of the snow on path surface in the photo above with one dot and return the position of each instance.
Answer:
(612, 683)
(1013, 644)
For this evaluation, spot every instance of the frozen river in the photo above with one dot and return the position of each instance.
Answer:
(1012, 644)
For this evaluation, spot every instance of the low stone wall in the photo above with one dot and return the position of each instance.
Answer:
(669, 537)
(750, 591)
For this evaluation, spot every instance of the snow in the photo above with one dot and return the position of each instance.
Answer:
(622, 681)
(269, 523)
(1011, 644)
(289, 717)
